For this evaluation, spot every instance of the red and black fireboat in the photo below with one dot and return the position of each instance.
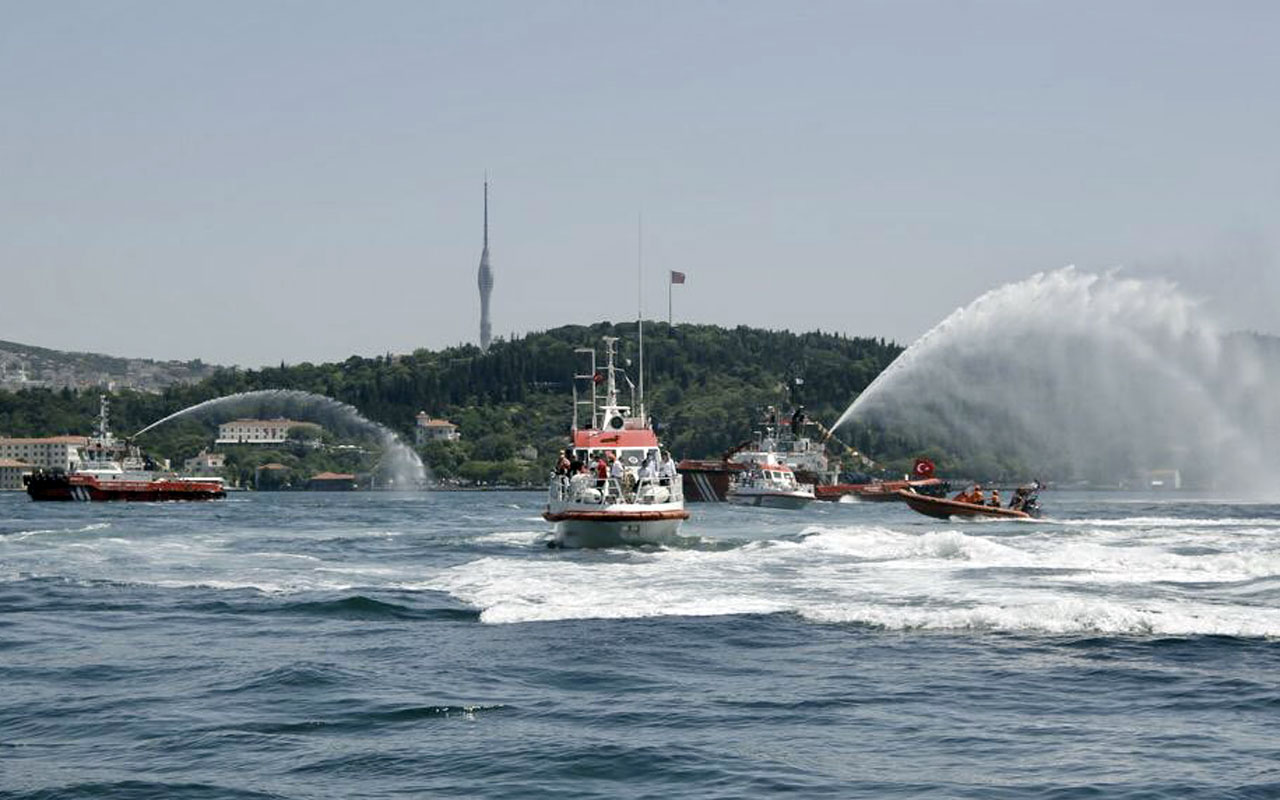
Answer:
(112, 469)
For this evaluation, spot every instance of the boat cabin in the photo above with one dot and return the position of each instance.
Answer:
(632, 447)
(776, 475)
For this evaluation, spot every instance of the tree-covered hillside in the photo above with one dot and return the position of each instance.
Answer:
(704, 385)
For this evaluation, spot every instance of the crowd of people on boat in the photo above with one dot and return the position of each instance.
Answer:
(1023, 497)
(611, 477)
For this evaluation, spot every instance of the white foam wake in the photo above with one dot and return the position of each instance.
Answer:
(1042, 582)
(1169, 522)
(97, 526)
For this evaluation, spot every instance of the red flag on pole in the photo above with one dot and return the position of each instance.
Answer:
(677, 277)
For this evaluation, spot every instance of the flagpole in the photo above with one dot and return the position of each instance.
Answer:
(669, 282)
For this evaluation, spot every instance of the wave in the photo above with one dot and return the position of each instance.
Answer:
(19, 535)
(367, 720)
(1061, 616)
(518, 538)
(1029, 581)
(1168, 522)
(353, 607)
(366, 608)
(142, 790)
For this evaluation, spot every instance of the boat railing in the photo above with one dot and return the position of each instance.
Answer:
(586, 490)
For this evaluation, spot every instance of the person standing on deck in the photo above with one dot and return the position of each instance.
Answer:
(602, 473)
(797, 421)
(616, 472)
(668, 469)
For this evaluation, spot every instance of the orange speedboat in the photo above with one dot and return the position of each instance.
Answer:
(942, 508)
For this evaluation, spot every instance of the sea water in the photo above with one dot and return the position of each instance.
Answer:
(383, 645)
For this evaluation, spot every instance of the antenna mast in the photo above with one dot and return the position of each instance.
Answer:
(485, 276)
(644, 419)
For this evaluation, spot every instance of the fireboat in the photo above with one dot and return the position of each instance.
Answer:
(777, 441)
(114, 469)
(615, 493)
(782, 440)
(771, 484)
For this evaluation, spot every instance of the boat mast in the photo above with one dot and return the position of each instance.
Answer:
(103, 430)
(590, 379)
(640, 309)
(611, 383)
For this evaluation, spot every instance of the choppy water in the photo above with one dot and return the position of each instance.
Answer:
(380, 645)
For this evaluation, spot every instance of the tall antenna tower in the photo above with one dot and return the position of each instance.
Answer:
(485, 278)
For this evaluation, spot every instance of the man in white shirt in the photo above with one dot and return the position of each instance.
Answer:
(616, 472)
(668, 469)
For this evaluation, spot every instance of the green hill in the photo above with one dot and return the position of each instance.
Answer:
(705, 386)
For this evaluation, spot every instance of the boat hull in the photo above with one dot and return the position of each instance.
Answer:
(62, 487)
(602, 528)
(708, 480)
(786, 500)
(883, 492)
(942, 508)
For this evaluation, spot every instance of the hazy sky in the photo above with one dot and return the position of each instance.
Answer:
(251, 182)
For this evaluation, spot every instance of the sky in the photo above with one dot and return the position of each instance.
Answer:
(256, 182)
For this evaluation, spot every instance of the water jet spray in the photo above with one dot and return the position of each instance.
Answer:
(404, 465)
(1078, 376)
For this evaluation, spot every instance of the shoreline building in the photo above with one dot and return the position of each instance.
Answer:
(205, 464)
(256, 431)
(485, 279)
(49, 452)
(332, 482)
(428, 429)
(11, 472)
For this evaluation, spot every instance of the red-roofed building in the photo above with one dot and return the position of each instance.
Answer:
(271, 476)
(435, 430)
(332, 482)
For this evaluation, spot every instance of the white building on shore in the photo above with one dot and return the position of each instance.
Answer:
(50, 452)
(11, 472)
(256, 431)
(205, 463)
(434, 430)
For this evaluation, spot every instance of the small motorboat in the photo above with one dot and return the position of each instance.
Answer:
(943, 508)
(772, 485)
